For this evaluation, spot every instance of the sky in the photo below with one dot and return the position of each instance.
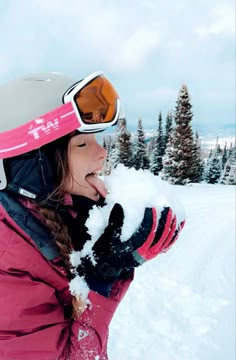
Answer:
(147, 48)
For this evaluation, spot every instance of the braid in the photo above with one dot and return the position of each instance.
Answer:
(60, 232)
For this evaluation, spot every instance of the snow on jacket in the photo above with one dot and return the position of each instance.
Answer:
(34, 296)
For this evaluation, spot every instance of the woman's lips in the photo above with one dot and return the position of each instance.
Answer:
(97, 184)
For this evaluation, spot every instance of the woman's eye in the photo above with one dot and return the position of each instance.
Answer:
(82, 145)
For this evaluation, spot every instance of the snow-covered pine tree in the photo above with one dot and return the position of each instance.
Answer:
(151, 145)
(139, 158)
(113, 157)
(168, 161)
(230, 150)
(178, 162)
(207, 163)
(225, 174)
(104, 143)
(158, 151)
(214, 165)
(214, 171)
(168, 128)
(232, 175)
(124, 143)
(107, 144)
(198, 163)
(228, 176)
(218, 149)
(210, 153)
(224, 156)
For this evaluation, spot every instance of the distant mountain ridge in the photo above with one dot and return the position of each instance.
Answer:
(207, 134)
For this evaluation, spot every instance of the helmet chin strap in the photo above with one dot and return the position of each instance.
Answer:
(3, 179)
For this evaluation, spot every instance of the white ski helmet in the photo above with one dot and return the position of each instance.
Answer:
(25, 99)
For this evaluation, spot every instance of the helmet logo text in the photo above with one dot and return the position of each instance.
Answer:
(43, 129)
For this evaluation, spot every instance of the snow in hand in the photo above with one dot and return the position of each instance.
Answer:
(134, 190)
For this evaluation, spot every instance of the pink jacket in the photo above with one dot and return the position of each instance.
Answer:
(33, 296)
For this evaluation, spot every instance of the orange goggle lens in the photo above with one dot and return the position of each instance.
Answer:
(97, 101)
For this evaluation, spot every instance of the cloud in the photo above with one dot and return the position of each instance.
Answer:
(160, 94)
(140, 44)
(4, 64)
(117, 38)
(222, 21)
(135, 51)
(217, 96)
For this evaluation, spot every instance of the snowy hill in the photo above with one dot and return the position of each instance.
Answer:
(181, 305)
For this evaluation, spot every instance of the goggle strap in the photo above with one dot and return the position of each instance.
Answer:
(39, 132)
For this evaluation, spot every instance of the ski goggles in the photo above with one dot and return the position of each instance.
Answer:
(89, 106)
(95, 102)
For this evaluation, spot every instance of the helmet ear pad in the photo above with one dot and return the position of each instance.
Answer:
(31, 173)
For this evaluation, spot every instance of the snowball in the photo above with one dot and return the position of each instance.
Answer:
(134, 190)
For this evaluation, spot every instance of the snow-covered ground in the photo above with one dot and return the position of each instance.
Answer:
(181, 305)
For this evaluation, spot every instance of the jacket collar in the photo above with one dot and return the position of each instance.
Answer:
(30, 225)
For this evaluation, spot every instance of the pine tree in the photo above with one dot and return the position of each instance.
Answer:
(168, 128)
(140, 158)
(150, 146)
(225, 174)
(232, 175)
(168, 161)
(178, 162)
(224, 156)
(158, 151)
(154, 159)
(124, 144)
(214, 165)
(198, 164)
(107, 144)
(229, 173)
(218, 150)
(230, 150)
(113, 156)
(214, 171)
(104, 143)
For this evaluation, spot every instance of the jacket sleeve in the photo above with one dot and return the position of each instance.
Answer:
(32, 323)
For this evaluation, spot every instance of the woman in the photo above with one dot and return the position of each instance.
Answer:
(49, 158)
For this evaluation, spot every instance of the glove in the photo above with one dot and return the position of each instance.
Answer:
(113, 256)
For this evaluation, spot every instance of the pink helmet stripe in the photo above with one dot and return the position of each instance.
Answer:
(39, 132)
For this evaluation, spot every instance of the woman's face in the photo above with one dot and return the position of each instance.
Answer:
(85, 159)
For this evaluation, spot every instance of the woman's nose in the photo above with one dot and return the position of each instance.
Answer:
(101, 151)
